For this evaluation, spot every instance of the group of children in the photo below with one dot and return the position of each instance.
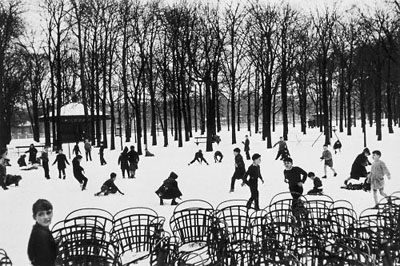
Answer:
(296, 176)
(42, 248)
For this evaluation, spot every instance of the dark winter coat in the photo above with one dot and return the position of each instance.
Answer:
(198, 155)
(358, 168)
(77, 168)
(133, 158)
(109, 186)
(76, 149)
(240, 169)
(294, 176)
(282, 145)
(246, 145)
(32, 154)
(21, 161)
(169, 189)
(317, 182)
(42, 249)
(254, 173)
(123, 160)
(61, 161)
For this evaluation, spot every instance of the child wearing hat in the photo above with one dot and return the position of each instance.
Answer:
(254, 173)
(169, 189)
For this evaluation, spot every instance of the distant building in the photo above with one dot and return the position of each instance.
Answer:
(75, 126)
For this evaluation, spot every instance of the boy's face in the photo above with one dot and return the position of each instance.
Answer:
(43, 218)
(325, 148)
(257, 161)
(375, 156)
(288, 165)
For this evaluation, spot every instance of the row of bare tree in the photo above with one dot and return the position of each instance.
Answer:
(185, 67)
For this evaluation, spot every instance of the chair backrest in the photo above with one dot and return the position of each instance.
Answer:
(90, 217)
(82, 245)
(318, 214)
(4, 259)
(341, 217)
(236, 217)
(192, 221)
(284, 196)
(137, 229)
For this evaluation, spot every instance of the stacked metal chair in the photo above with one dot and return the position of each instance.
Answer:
(198, 236)
(139, 236)
(84, 238)
(234, 217)
(4, 259)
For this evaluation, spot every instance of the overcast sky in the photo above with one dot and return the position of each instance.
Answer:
(34, 21)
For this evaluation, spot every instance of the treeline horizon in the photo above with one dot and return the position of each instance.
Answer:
(185, 67)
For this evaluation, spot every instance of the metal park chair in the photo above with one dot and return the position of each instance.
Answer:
(4, 259)
(139, 235)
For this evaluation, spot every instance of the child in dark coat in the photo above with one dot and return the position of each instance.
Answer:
(61, 161)
(317, 189)
(295, 177)
(198, 156)
(78, 171)
(21, 161)
(109, 186)
(45, 161)
(123, 160)
(169, 189)
(358, 167)
(133, 157)
(283, 150)
(240, 168)
(76, 149)
(32, 154)
(254, 173)
(101, 153)
(42, 248)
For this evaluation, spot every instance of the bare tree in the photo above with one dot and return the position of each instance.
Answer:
(263, 26)
(235, 66)
(323, 25)
(10, 28)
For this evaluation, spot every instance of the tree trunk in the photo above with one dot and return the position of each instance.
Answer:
(389, 100)
(248, 105)
(378, 102)
(144, 109)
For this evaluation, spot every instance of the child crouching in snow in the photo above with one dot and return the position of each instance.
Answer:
(378, 171)
(109, 186)
(317, 189)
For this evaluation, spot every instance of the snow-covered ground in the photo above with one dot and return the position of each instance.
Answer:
(210, 183)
